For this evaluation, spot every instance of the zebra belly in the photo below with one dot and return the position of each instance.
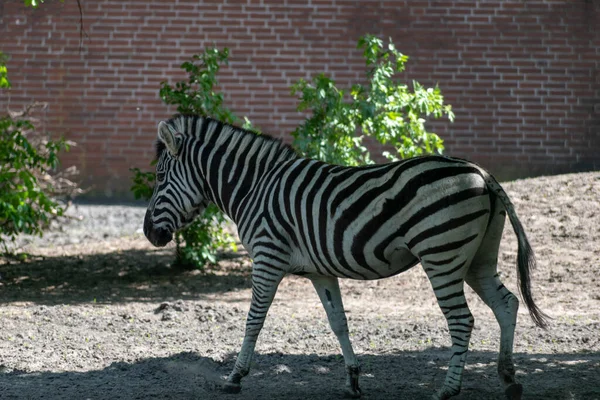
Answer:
(399, 260)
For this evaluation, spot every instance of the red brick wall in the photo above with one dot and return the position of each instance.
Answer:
(523, 76)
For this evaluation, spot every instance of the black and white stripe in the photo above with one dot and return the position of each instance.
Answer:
(322, 221)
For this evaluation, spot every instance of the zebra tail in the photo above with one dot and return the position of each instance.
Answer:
(525, 257)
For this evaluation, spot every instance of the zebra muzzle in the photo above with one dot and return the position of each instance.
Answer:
(159, 237)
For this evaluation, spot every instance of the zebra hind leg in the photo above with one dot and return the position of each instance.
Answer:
(483, 278)
(504, 304)
(447, 282)
(328, 290)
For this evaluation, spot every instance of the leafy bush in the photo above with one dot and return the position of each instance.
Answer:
(26, 188)
(197, 95)
(198, 243)
(385, 109)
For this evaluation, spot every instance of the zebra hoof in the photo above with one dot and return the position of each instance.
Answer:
(353, 393)
(232, 388)
(445, 394)
(514, 391)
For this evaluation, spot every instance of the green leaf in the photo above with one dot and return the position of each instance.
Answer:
(4, 82)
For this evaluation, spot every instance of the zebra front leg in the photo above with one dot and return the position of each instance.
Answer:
(265, 281)
(329, 292)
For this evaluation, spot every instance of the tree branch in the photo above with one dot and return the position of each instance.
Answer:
(81, 28)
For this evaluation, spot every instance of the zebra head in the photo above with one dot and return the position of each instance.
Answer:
(176, 200)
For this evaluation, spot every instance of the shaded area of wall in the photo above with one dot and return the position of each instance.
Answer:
(523, 76)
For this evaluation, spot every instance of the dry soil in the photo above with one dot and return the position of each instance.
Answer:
(97, 313)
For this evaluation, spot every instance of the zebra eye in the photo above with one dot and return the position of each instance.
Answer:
(160, 176)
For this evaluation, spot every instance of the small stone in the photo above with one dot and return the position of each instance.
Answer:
(168, 316)
(179, 306)
(162, 307)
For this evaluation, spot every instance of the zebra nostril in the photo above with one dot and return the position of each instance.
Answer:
(160, 237)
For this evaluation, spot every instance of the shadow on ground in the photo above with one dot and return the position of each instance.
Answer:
(404, 375)
(131, 275)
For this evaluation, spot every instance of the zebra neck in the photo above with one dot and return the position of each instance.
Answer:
(234, 165)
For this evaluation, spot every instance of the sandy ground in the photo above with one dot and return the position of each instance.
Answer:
(97, 313)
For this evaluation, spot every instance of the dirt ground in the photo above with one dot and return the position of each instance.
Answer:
(97, 313)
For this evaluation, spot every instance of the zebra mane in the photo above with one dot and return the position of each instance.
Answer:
(184, 124)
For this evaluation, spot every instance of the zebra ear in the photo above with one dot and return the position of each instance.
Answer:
(169, 137)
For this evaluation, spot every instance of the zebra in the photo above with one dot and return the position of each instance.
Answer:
(321, 221)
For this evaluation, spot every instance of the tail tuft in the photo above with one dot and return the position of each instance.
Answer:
(526, 263)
